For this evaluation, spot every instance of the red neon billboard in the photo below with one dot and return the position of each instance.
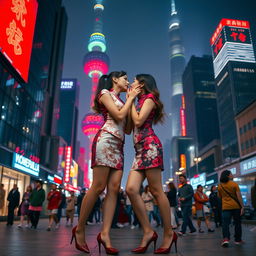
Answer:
(68, 159)
(17, 24)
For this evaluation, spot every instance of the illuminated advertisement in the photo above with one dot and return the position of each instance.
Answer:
(74, 174)
(183, 161)
(199, 179)
(68, 159)
(55, 179)
(231, 42)
(17, 24)
(24, 164)
(248, 166)
(68, 84)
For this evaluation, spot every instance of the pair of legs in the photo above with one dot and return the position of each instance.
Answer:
(70, 215)
(134, 182)
(53, 218)
(102, 177)
(186, 215)
(22, 217)
(173, 217)
(34, 217)
(207, 222)
(226, 220)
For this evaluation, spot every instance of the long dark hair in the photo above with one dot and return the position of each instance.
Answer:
(224, 176)
(151, 87)
(105, 82)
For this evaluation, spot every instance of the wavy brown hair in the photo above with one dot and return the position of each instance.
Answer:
(150, 86)
(105, 82)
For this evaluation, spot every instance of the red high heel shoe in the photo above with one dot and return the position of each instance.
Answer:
(82, 248)
(144, 249)
(167, 250)
(109, 250)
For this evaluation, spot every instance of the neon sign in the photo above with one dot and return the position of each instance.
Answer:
(17, 26)
(68, 159)
(24, 164)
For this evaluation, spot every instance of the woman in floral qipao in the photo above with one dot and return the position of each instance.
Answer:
(148, 163)
(107, 155)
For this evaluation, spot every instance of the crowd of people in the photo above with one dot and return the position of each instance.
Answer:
(135, 206)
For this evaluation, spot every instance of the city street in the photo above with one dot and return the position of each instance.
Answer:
(39, 242)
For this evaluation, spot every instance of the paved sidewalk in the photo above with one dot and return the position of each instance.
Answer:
(16, 242)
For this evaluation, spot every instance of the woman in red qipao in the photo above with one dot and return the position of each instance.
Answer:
(107, 156)
(148, 163)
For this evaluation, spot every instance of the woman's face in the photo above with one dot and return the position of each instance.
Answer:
(230, 176)
(122, 83)
(136, 83)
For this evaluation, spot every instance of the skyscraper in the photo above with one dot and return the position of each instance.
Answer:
(235, 76)
(200, 97)
(177, 64)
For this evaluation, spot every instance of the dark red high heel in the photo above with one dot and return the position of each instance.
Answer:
(82, 248)
(144, 249)
(109, 250)
(167, 250)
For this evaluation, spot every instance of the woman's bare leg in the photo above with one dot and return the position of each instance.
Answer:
(155, 186)
(109, 205)
(133, 185)
(100, 177)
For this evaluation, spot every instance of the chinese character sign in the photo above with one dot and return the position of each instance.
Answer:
(17, 24)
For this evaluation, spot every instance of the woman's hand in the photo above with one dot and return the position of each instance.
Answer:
(133, 91)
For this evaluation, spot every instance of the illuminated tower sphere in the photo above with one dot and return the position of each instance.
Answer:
(95, 63)
(177, 64)
(91, 124)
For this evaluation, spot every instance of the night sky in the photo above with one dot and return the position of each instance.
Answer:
(137, 42)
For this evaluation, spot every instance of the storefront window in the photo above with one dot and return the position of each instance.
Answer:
(9, 177)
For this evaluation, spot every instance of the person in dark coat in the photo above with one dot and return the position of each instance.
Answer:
(172, 197)
(215, 202)
(14, 200)
(80, 200)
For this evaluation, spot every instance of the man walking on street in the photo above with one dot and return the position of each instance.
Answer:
(185, 195)
(54, 201)
(14, 200)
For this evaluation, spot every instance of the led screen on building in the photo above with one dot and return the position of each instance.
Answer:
(17, 24)
(231, 42)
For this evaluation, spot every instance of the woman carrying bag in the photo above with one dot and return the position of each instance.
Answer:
(232, 206)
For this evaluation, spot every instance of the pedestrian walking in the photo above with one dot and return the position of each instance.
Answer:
(2, 199)
(107, 156)
(172, 197)
(215, 202)
(148, 163)
(14, 200)
(232, 207)
(62, 205)
(70, 209)
(148, 201)
(80, 200)
(54, 201)
(202, 209)
(24, 211)
(36, 203)
(185, 194)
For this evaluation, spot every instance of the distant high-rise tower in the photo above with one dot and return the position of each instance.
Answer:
(177, 63)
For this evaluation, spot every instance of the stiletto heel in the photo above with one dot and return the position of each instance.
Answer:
(71, 241)
(109, 250)
(144, 249)
(83, 248)
(167, 250)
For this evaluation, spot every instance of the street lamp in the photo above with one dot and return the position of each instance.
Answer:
(197, 160)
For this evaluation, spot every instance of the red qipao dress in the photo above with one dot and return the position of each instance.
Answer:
(148, 147)
(107, 146)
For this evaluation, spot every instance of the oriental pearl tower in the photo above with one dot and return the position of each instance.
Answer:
(95, 64)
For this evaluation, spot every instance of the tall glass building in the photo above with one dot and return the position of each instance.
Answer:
(23, 105)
